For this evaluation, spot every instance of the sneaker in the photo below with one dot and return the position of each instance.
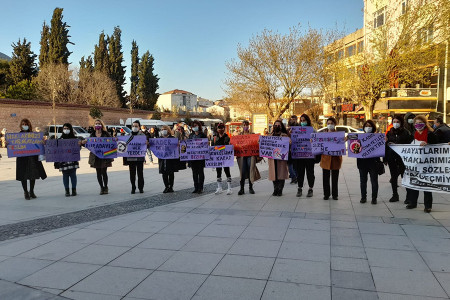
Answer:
(250, 190)
(363, 200)
(394, 198)
(335, 198)
(326, 197)
(229, 192)
(374, 201)
(170, 190)
(195, 191)
(409, 206)
(105, 190)
(241, 192)
(310, 193)
(299, 193)
(218, 191)
(427, 210)
(165, 190)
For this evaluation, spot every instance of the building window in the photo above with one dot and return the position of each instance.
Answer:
(329, 58)
(360, 46)
(425, 34)
(340, 54)
(350, 50)
(184, 100)
(379, 17)
(405, 6)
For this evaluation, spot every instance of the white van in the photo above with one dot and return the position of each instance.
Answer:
(79, 132)
(145, 122)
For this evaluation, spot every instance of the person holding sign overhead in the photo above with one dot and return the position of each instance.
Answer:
(222, 139)
(198, 166)
(168, 167)
(330, 165)
(278, 169)
(136, 164)
(69, 168)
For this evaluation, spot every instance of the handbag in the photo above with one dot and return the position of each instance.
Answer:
(380, 167)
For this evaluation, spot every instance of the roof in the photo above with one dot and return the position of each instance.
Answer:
(176, 91)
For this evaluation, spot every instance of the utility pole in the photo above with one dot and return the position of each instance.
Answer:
(445, 83)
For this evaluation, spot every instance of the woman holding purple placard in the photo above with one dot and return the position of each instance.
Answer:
(222, 139)
(69, 168)
(278, 169)
(136, 164)
(330, 165)
(168, 167)
(198, 166)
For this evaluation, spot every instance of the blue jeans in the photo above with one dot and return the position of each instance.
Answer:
(150, 156)
(292, 173)
(72, 174)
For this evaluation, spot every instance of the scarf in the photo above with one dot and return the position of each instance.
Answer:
(423, 137)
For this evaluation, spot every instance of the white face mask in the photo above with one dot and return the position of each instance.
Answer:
(330, 127)
(66, 131)
(410, 121)
(367, 129)
(396, 125)
(25, 127)
(135, 129)
(163, 132)
(195, 128)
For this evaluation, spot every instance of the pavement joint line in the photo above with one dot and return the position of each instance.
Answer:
(25, 228)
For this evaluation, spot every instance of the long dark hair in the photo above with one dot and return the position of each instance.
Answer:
(28, 123)
(400, 118)
(71, 134)
(283, 128)
(306, 117)
(199, 124)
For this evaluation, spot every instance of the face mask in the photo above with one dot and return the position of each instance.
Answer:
(419, 126)
(66, 131)
(245, 128)
(396, 125)
(98, 127)
(367, 129)
(304, 123)
(276, 129)
(163, 132)
(25, 127)
(135, 129)
(410, 121)
(195, 128)
(434, 126)
(330, 127)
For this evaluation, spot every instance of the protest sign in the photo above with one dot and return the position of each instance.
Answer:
(301, 144)
(328, 143)
(427, 168)
(194, 149)
(220, 156)
(24, 144)
(62, 150)
(274, 147)
(165, 148)
(366, 145)
(245, 145)
(102, 147)
(131, 146)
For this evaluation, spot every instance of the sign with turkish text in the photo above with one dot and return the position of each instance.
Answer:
(301, 142)
(245, 145)
(102, 147)
(274, 147)
(62, 150)
(328, 143)
(131, 146)
(25, 144)
(165, 148)
(194, 149)
(220, 156)
(366, 145)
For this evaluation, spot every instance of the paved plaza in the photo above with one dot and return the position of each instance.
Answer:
(220, 246)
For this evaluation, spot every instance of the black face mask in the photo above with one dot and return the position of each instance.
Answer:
(276, 129)
(292, 123)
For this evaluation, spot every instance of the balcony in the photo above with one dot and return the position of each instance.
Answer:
(408, 93)
(402, 100)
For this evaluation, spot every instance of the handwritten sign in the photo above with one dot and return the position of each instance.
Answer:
(62, 150)
(328, 143)
(194, 149)
(365, 145)
(165, 148)
(132, 146)
(220, 156)
(25, 144)
(301, 144)
(274, 147)
(102, 147)
(245, 145)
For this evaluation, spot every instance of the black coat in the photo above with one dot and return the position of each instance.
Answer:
(29, 168)
(197, 163)
(169, 165)
(442, 133)
(397, 136)
(219, 141)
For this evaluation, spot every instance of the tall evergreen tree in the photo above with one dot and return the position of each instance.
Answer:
(101, 57)
(58, 39)
(117, 70)
(148, 82)
(134, 79)
(86, 64)
(43, 54)
(22, 65)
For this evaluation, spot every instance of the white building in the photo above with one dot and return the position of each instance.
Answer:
(177, 98)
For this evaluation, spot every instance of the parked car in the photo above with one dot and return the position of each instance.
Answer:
(346, 129)
(118, 129)
(79, 132)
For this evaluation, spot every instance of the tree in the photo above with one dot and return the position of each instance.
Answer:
(54, 83)
(117, 70)
(87, 64)
(101, 58)
(4, 71)
(96, 88)
(25, 90)
(95, 113)
(58, 39)
(22, 65)
(134, 79)
(148, 82)
(43, 54)
(274, 67)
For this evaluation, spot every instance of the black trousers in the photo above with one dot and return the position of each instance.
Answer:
(395, 172)
(413, 195)
(373, 180)
(219, 172)
(102, 177)
(334, 182)
(168, 179)
(198, 175)
(303, 166)
(136, 167)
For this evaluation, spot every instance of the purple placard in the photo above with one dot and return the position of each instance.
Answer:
(220, 156)
(194, 149)
(102, 147)
(131, 146)
(62, 150)
(274, 147)
(366, 145)
(165, 148)
(328, 143)
(301, 142)
(25, 144)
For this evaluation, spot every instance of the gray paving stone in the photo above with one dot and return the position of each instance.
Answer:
(305, 251)
(17, 268)
(96, 254)
(112, 281)
(387, 242)
(192, 262)
(351, 232)
(351, 252)
(289, 291)
(350, 264)
(429, 231)
(307, 236)
(85, 236)
(311, 224)
(166, 241)
(390, 296)
(431, 244)
(349, 294)
(444, 280)
(54, 250)
(264, 233)
(317, 216)
(343, 224)
(183, 228)
(142, 258)
(124, 238)
(197, 218)
(9, 290)
(229, 288)
(438, 262)
(233, 220)
(343, 217)
(255, 247)
(400, 281)
(351, 241)
(270, 222)
(244, 266)
(229, 231)
(209, 244)
(399, 259)
(380, 228)
(169, 216)
(91, 296)
(146, 226)
(168, 285)
(352, 280)
(301, 271)
(60, 275)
